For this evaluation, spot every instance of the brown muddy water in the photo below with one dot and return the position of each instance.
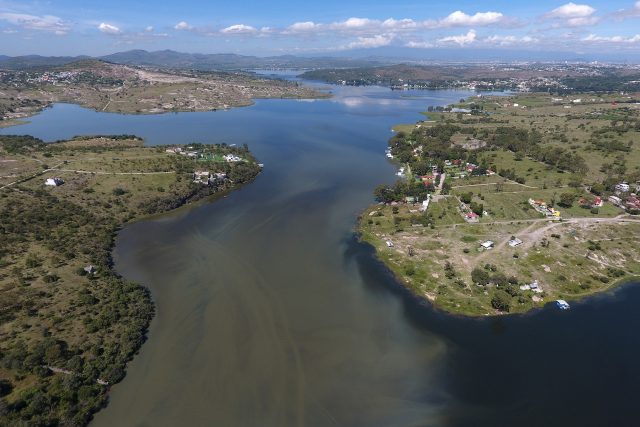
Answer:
(270, 313)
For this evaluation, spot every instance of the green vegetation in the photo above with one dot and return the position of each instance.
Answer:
(68, 322)
(535, 171)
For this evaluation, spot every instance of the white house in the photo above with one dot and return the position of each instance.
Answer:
(487, 245)
(54, 182)
(232, 158)
(623, 187)
(425, 204)
(615, 200)
(515, 242)
(217, 178)
(201, 177)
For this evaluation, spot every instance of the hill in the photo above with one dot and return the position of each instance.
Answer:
(186, 61)
(35, 61)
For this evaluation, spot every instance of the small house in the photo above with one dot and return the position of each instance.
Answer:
(535, 287)
(232, 158)
(389, 243)
(515, 242)
(90, 269)
(471, 217)
(623, 187)
(201, 177)
(615, 200)
(487, 245)
(54, 182)
(597, 202)
(425, 204)
(217, 178)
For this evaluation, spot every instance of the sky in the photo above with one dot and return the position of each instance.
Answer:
(276, 27)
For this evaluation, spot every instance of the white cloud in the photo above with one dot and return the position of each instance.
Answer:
(366, 27)
(572, 10)
(47, 23)
(371, 42)
(239, 29)
(461, 19)
(300, 27)
(399, 24)
(612, 39)
(419, 45)
(461, 40)
(109, 29)
(354, 23)
(573, 15)
(149, 29)
(510, 40)
(182, 26)
(632, 12)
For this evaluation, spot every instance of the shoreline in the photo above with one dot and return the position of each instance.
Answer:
(401, 285)
(23, 120)
(416, 256)
(139, 197)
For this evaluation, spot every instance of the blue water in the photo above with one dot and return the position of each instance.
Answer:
(270, 313)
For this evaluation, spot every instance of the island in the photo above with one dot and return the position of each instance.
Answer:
(505, 203)
(68, 322)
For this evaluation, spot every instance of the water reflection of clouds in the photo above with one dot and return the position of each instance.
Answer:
(356, 102)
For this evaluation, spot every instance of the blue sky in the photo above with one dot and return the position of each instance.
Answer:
(66, 27)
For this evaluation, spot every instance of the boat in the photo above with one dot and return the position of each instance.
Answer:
(562, 304)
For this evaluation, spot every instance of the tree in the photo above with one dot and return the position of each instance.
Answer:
(567, 199)
(384, 194)
(500, 300)
(421, 168)
(480, 276)
(477, 208)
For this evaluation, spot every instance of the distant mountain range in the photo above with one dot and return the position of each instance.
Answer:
(192, 61)
(348, 59)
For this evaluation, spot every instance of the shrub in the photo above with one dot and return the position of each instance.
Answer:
(501, 301)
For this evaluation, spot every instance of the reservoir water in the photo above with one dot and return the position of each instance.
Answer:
(270, 313)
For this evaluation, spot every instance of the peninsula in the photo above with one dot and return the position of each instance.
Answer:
(68, 322)
(506, 203)
(105, 86)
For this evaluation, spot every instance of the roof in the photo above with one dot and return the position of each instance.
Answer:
(515, 242)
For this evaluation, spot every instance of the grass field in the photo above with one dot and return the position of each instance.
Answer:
(54, 316)
(588, 250)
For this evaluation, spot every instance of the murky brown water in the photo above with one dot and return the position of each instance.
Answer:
(270, 314)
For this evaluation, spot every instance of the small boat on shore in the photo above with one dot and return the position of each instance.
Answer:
(562, 304)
